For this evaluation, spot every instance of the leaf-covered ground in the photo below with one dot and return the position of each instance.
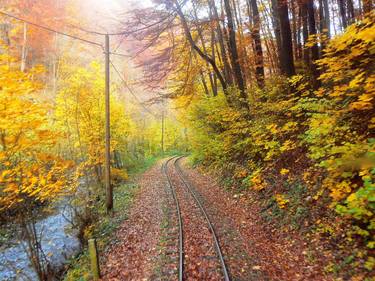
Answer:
(265, 254)
(251, 250)
(200, 258)
(131, 256)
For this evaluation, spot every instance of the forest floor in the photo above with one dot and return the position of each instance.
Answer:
(251, 250)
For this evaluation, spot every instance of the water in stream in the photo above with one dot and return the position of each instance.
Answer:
(57, 243)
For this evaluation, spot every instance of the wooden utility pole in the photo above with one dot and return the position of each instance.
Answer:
(94, 259)
(162, 131)
(4, 34)
(108, 186)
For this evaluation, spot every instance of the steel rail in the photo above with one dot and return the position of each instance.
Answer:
(214, 236)
(180, 236)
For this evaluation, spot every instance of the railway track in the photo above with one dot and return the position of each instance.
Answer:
(184, 195)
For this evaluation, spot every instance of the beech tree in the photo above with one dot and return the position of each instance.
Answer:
(278, 37)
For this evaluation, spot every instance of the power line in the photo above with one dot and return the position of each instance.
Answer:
(121, 55)
(51, 30)
(87, 31)
(131, 91)
(69, 35)
(120, 43)
(124, 33)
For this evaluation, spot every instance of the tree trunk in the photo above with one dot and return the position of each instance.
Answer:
(259, 60)
(314, 48)
(24, 48)
(342, 9)
(233, 53)
(294, 30)
(200, 34)
(243, 57)
(4, 35)
(220, 37)
(351, 16)
(327, 18)
(321, 17)
(197, 49)
(204, 83)
(312, 28)
(367, 6)
(270, 43)
(287, 65)
(213, 48)
(56, 64)
(322, 26)
(305, 33)
(335, 15)
(243, 101)
(276, 27)
(299, 33)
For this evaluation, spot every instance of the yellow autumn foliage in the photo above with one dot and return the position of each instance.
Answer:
(80, 117)
(28, 170)
(281, 200)
(328, 130)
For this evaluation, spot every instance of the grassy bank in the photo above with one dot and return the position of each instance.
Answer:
(103, 229)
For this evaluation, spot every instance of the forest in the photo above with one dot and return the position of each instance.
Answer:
(265, 107)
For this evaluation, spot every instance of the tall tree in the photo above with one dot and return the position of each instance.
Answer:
(277, 31)
(314, 48)
(305, 31)
(255, 32)
(295, 29)
(368, 6)
(287, 61)
(220, 37)
(204, 49)
(327, 17)
(233, 52)
(342, 10)
(4, 33)
(243, 97)
(324, 20)
(193, 44)
(350, 9)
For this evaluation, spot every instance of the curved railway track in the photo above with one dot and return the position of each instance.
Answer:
(180, 229)
(190, 190)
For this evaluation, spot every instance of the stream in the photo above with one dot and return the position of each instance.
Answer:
(59, 243)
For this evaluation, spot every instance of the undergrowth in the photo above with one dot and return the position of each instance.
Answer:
(103, 229)
(307, 155)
